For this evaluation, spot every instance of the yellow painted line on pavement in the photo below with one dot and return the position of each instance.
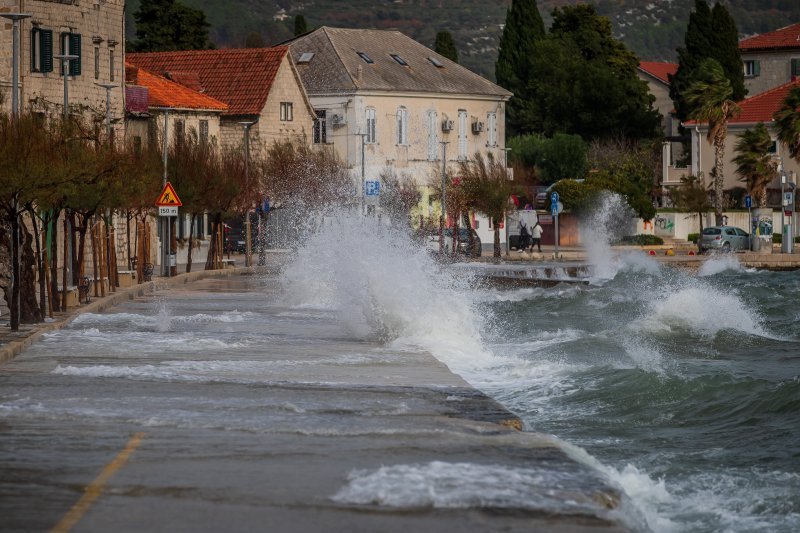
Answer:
(94, 490)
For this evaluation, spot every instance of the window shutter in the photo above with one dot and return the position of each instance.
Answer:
(46, 49)
(34, 31)
(756, 68)
(63, 50)
(795, 67)
(75, 49)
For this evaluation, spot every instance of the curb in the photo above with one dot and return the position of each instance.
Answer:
(14, 348)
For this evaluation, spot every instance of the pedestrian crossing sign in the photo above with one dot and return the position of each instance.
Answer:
(168, 198)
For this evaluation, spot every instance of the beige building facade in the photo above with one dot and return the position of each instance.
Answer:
(771, 59)
(94, 31)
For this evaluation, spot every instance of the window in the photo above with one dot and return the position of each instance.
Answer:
(305, 58)
(71, 45)
(287, 112)
(321, 128)
(41, 50)
(462, 134)
(402, 126)
(180, 131)
(773, 148)
(436, 63)
(97, 62)
(203, 131)
(111, 66)
(491, 129)
(752, 68)
(433, 135)
(365, 57)
(371, 137)
(399, 59)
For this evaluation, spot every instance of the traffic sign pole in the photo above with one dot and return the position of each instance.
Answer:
(748, 203)
(554, 211)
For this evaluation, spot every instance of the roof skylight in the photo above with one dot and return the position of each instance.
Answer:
(399, 59)
(365, 57)
(436, 62)
(305, 57)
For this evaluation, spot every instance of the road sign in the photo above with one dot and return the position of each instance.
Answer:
(168, 197)
(554, 197)
(168, 210)
(788, 198)
(748, 201)
(556, 208)
(372, 188)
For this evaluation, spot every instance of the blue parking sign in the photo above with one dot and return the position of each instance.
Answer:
(372, 188)
(748, 201)
(554, 198)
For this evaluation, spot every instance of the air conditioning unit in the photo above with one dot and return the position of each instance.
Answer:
(447, 125)
(477, 127)
(338, 120)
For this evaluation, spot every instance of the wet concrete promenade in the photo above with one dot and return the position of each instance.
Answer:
(217, 406)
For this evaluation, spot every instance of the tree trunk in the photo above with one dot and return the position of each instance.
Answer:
(211, 259)
(15, 271)
(700, 236)
(53, 229)
(95, 258)
(29, 312)
(64, 270)
(37, 235)
(496, 239)
(128, 237)
(192, 220)
(76, 262)
(719, 152)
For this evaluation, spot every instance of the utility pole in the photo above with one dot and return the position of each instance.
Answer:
(165, 225)
(444, 196)
(108, 87)
(362, 202)
(15, 18)
(65, 59)
(248, 245)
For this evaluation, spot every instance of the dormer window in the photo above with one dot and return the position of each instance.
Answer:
(399, 59)
(365, 57)
(435, 62)
(305, 58)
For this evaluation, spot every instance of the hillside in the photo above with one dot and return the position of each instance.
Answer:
(651, 28)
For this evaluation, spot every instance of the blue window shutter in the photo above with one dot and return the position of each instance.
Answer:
(75, 49)
(46, 50)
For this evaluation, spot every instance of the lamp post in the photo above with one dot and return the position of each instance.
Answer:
(247, 241)
(787, 211)
(362, 202)
(15, 18)
(108, 87)
(165, 225)
(65, 59)
(444, 197)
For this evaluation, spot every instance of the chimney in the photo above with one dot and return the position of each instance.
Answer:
(359, 72)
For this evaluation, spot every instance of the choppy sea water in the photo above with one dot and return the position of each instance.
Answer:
(682, 388)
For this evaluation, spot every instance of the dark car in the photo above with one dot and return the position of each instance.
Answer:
(432, 242)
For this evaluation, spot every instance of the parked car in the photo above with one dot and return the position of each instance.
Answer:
(432, 242)
(724, 239)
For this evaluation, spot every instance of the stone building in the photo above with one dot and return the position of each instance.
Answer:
(771, 59)
(94, 31)
(259, 85)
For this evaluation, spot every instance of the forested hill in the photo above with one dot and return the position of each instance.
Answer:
(651, 28)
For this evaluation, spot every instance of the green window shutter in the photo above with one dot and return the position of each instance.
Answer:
(46, 50)
(756, 68)
(795, 67)
(75, 49)
(62, 50)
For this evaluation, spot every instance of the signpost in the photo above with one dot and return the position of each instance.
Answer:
(748, 203)
(372, 188)
(555, 206)
(168, 204)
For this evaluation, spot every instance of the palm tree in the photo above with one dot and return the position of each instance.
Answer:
(487, 190)
(787, 122)
(754, 163)
(709, 100)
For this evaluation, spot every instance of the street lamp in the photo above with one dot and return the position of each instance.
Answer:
(247, 243)
(444, 200)
(787, 211)
(108, 87)
(363, 184)
(15, 18)
(65, 59)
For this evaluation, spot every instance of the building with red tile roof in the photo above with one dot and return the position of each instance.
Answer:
(258, 85)
(656, 75)
(163, 93)
(771, 59)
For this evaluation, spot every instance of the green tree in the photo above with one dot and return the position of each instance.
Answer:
(584, 82)
(524, 26)
(300, 25)
(709, 34)
(692, 196)
(560, 157)
(486, 189)
(165, 25)
(709, 99)
(787, 122)
(446, 46)
(254, 40)
(754, 162)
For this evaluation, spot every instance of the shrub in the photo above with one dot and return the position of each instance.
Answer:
(643, 240)
(693, 237)
(777, 238)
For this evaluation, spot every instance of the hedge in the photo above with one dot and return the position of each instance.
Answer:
(642, 240)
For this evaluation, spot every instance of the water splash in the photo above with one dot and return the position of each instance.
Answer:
(717, 265)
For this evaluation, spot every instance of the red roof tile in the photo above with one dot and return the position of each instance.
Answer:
(242, 78)
(762, 107)
(783, 38)
(659, 70)
(165, 93)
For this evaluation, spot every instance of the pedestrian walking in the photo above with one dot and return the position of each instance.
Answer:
(536, 234)
(524, 235)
